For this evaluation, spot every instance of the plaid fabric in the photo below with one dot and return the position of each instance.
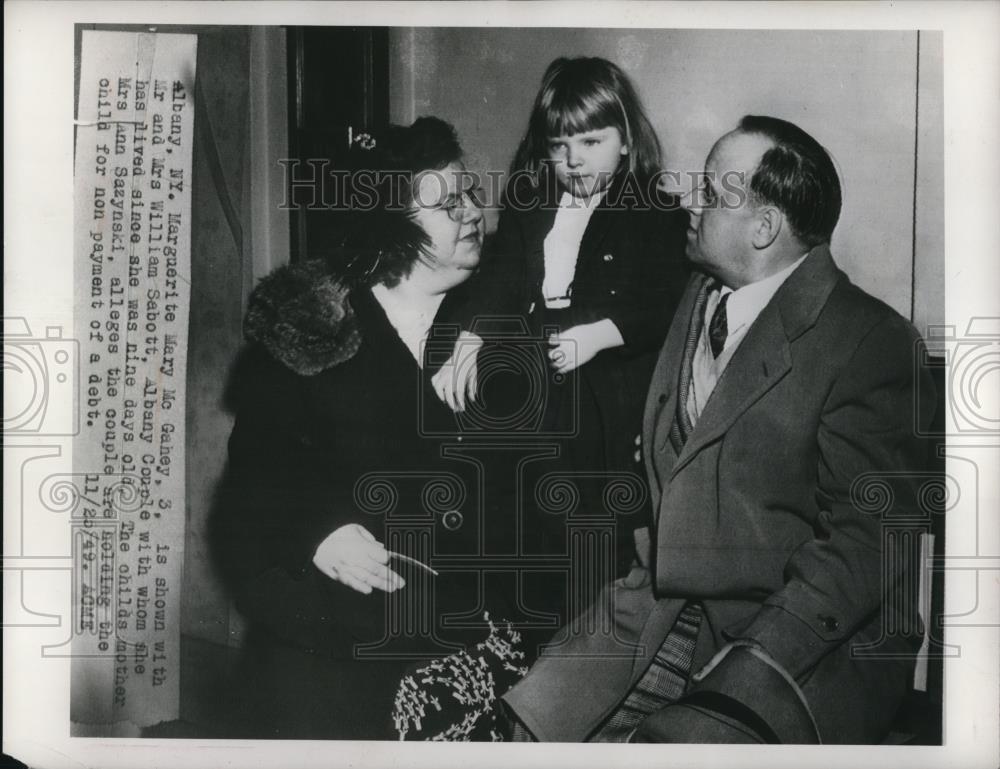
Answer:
(663, 682)
(518, 733)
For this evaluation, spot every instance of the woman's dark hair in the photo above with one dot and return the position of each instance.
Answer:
(381, 239)
(587, 94)
(798, 176)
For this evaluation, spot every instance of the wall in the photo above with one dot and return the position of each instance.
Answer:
(239, 236)
(855, 91)
(242, 75)
(217, 265)
(928, 226)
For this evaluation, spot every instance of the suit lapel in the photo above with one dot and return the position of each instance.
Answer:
(662, 399)
(762, 359)
(764, 356)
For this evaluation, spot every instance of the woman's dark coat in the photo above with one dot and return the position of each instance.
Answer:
(337, 424)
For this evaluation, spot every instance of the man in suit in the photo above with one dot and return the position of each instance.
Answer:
(773, 599)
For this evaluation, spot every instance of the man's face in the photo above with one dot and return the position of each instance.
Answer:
(721, 226)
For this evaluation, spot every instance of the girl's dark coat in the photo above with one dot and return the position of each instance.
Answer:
(631, 269)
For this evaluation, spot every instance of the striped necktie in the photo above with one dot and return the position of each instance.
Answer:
(718, 329)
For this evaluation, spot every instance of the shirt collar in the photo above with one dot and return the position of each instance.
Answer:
(569, 202)
(747, 302)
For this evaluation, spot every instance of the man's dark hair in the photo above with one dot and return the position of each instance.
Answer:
(798, 176)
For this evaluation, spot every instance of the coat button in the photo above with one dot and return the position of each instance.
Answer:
(638, 439)
(613, 292)
(662, 399)
(637, 456)
(609, 257)
(830, 624)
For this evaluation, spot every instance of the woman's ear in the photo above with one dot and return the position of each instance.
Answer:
(768, 226)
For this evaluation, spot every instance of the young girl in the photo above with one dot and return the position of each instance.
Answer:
(590, 253)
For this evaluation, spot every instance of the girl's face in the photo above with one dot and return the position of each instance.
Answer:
(584, 163)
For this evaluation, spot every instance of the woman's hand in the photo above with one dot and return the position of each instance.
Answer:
(353, 556)
(579, 344)
(456, 381)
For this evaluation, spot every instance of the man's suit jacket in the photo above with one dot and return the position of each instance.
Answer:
(777, 516)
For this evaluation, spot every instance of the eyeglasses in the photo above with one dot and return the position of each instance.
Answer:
(458, 206)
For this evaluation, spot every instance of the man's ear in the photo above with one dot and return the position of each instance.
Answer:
(767, 227)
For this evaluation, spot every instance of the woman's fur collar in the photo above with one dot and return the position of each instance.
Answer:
(301, 316)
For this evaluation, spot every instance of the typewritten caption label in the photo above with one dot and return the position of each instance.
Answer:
(132, 192)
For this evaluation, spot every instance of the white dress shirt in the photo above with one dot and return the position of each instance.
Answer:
(742, 309)
(562, 247)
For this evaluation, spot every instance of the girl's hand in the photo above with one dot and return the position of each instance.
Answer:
(577, 345)
(351, 555)
(456, 381)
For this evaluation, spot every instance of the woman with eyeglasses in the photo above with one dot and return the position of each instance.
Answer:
(350, 522)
